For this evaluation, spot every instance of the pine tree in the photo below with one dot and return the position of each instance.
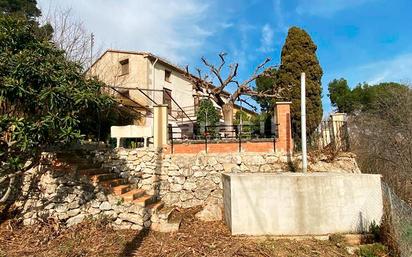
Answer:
(299, 55)
(27, 8)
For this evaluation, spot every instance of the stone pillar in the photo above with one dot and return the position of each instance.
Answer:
(282, 118)
(160, 123)
(338, 133)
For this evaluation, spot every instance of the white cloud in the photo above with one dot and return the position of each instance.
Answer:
(176, 29)
(266, 40)
(397, 69)
(326, 8)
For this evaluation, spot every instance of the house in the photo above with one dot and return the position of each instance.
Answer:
(142, 80)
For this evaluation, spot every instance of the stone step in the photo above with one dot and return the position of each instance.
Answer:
(113, 182)
(87, 166)
(145, 200)
(165, 213)
(168, 227)
(133, 194)
(155, 207)
(92, 171)
(121, 189)
(104, 177)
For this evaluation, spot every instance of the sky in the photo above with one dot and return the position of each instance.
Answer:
(359, 40)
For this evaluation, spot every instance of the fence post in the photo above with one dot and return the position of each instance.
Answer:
(206, 139)
(171, 137)
(239, 134)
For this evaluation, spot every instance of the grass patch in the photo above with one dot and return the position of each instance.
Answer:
(373, 250)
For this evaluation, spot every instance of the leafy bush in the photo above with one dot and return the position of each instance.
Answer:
(43, 98)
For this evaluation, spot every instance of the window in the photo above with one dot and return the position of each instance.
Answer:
(168, 74)
(167, 99)
(124, 67)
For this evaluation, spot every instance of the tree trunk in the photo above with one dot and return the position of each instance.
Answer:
(227, 110)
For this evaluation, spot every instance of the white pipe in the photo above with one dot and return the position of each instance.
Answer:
(154, 79)
(303, 121)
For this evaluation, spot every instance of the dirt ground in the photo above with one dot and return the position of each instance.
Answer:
(195, 238)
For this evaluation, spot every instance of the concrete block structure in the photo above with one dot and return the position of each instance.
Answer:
(301, 204)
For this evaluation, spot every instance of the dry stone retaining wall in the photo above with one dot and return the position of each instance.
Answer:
(188, 180)
(61, 195)
(184, 180)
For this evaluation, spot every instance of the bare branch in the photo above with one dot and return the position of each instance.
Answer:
(70, 34)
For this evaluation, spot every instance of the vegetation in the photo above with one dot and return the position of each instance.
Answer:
(363, 97)
(206, 115)
(380, 128)
(242, 115)
(267, 83)
(380, 125)
(340, 95)
(299, 55)
(42, 97)
(26, 8)
(373, 250)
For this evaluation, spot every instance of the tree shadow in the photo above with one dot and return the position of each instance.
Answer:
(132, 246)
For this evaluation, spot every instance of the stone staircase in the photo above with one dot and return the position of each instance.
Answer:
(160, 215)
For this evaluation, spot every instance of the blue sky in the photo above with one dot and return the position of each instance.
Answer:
(360, 40)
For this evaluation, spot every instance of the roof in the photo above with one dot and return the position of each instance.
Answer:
(162, 60)
(245, 109)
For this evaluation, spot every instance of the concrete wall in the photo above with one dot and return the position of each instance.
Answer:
(301, 204)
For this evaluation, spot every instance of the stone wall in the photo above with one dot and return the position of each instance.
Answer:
(183, 180)
(57, 193)
(188, 180)
(138, 165)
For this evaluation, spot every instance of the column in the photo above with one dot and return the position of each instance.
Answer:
(283, 120)
(160, 121)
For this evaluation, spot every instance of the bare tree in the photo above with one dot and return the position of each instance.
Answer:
(381, 138)
(202, 84)
(70, 34)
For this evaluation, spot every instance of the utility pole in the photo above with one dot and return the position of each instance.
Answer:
(91, 51)
(303, 121)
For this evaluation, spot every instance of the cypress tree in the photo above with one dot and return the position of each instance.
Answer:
(299, 55)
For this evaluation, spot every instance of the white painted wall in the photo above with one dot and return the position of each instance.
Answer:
(181, 88)
(301, 204)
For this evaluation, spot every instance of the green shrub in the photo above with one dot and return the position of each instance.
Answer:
(373, 250)
(207, 115)
(375, 230)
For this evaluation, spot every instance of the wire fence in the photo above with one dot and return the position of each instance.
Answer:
(396, 228)
(332, 135)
